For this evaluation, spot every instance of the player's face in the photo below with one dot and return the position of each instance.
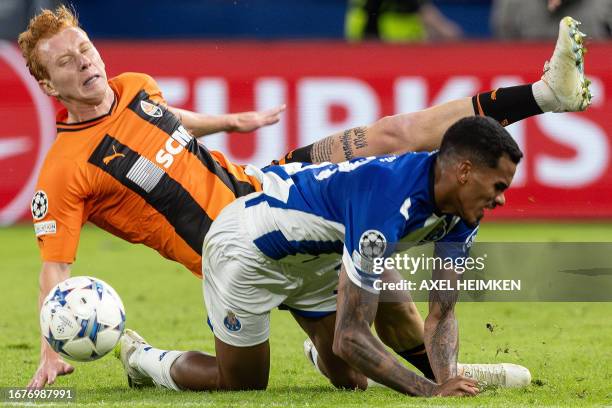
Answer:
(75, 68)
(484, 188)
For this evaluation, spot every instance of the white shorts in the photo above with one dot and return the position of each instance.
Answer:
(241, 285)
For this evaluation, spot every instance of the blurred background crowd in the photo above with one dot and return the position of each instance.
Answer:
(355, 20)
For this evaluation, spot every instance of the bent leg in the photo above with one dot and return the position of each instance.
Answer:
(234, 368)
(321, 333)
(563, 88)
(399, 325)
(398, 322)
(243, 368)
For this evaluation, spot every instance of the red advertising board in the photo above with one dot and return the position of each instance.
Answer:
(331, 86)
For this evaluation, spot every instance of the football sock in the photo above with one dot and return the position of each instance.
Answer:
(314, 354)
(417, 356)
(156, 364)
(301, 154)
(544, 96)
(509, 105)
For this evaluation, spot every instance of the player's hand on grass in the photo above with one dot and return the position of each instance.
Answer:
(457, 387)
(48, 370)
(249, 121)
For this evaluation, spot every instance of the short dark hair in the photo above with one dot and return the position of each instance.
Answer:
(481, 140)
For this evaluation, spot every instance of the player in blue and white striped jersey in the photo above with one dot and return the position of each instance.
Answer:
(360, 208)
(309, 241)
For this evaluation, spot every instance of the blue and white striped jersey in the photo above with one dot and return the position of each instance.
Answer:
(360, 209)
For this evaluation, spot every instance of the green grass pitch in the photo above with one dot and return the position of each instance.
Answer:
(567, 346)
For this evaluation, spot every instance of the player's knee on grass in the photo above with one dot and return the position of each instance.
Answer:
(399, 325)
(340, 374)
(321, 333)
(242, 368)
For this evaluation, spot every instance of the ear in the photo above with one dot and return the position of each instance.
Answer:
(464, 169)
(47, 87)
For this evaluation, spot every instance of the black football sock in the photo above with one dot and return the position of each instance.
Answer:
(417, 356)
(301, 154)
(507, 105)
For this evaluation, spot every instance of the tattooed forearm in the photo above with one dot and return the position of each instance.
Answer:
(341, 146)
(443, 347)
(346, 144)
(353, 139)
(360, 140)
(441, 335)
(356, 344)
(322, 150)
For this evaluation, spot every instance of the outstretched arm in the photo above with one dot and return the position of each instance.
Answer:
(355, 344)
(51, 364)
(200, 124)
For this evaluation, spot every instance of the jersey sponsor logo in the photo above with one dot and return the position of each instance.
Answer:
(170, 198)
(165, 156)
(231, 322)
(150, 109)
(45, 228)
(113, 156)
(25, 135)
(39, 205)
(145, 174)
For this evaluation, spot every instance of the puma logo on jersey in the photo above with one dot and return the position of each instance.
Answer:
(174, 145)
(152, 110)
(108, 159)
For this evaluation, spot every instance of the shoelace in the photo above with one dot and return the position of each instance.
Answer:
(486, 376)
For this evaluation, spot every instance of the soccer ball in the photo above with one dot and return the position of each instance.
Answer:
(82, 318)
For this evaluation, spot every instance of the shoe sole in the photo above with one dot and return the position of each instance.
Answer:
(578, 49)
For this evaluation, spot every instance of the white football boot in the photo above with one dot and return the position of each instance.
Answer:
(503, 375)
(564, 73)
(128, 344)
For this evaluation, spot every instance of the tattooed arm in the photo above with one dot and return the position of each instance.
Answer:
(397, 134)
(342, 146)
(441, 331)
(355, 344)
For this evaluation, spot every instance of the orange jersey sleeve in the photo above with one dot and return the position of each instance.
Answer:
(57, 208)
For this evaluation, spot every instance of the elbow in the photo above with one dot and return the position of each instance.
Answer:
(402, 133)
(391, 135)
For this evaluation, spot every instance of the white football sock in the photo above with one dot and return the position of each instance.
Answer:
(544, 96)
(315, 355)
(156, 364)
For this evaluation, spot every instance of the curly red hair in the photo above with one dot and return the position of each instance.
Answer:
(43, 26)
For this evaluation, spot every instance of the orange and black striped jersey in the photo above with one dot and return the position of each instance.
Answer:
(138, 174)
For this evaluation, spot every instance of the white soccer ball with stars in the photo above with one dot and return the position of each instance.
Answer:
(82, 318)
(39, 205)
(372, 244)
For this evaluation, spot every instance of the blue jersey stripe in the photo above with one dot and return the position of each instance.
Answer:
(274, 245)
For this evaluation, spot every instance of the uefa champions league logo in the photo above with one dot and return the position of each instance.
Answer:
(372, 244)
(39, 205)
